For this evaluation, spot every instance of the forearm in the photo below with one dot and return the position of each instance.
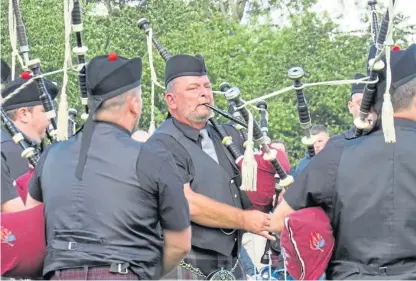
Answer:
(208, 212)
(172, 256)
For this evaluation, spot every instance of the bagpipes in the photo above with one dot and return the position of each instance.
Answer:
(29, 152)
(34, 66)
(80, 50)
(37, 75)
(144, 24)
(376, 65)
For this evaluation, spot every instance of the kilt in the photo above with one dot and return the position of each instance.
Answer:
(91, 273)
(207, 262)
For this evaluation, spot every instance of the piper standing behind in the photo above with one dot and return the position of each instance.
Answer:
(357, 92)
(367, 189)
(105, 193)
(28, 114)
(209, 172)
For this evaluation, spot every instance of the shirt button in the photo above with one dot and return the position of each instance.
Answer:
(232, 181)
(235, 195)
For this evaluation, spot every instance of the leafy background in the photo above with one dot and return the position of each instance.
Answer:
(255, 56)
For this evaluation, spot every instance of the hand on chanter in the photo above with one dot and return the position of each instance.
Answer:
(257, 222)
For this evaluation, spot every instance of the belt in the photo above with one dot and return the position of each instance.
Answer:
(386, 270)
(76, 246)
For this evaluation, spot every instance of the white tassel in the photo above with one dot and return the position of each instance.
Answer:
(249, 166)
(388, 120)
(387, 109)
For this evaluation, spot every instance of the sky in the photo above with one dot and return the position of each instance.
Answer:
(352, 11)
(349, 14)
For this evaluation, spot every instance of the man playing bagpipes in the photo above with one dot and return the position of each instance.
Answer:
(365, 186)
(211, 175)
(22, 226)
(28, 115)
(105, 193)
(357, 92)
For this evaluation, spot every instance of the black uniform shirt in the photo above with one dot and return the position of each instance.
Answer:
(130, 194)
(8, 191)
(182, 158)
(367, 188)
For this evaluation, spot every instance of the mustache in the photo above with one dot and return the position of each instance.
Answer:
(226, 115)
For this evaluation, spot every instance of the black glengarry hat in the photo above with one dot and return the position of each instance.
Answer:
(357, 88)
(107, 76)
(184, 65)
(28, 96)
(403, 70)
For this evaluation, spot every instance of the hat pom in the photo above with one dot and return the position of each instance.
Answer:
(395, 48)
(25, 75)
(112, 56)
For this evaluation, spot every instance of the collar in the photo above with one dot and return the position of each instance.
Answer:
(404, 123)
(187, 130)
(112, 126)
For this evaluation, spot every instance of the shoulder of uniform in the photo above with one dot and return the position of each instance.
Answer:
(155, 148)
(5, 136)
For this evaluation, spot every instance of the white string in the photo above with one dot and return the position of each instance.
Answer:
(290, 88)
(32, 79)
(13, 41)
(62, 133)
(153, 78)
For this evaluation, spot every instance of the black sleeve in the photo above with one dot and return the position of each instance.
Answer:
(157, 171)
(35, 186)
(178, 153)
(16, 163)
(315, 185)
(8, 191)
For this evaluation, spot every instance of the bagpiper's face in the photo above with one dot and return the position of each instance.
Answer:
(39, 122)
(321, 140)
(189, 96)
(354, 107)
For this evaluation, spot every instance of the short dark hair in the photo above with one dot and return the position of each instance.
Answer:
(12, 114)
(403, 96)
(316, 129)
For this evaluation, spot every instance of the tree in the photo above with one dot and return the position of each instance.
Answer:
(256, 58)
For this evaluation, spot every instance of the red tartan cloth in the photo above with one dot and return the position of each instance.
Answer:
(262, 198)
(23, 238)
(307, 243)
(92, 273)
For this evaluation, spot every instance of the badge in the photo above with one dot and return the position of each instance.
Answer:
(221, 274)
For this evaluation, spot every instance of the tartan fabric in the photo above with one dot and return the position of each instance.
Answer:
(207, 263)
(92, 273)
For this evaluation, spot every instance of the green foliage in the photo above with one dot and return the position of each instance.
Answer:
(254, 58)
